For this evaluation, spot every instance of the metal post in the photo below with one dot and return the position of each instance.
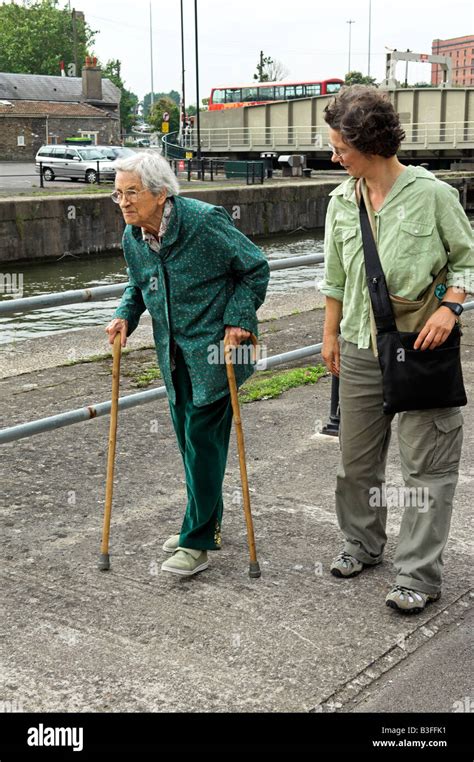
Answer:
(350, 22)
(211, 169)
(406, 69)
(41, 175)
(332, 427)
(74, 41)
(151, 59)
(98, 172)
(198, 122)
(183, 102)
(190, 161)
(370, 36)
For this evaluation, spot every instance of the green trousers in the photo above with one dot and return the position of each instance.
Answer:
(203, 437)
(430, 444)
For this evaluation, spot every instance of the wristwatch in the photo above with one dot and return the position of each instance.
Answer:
(453, 306)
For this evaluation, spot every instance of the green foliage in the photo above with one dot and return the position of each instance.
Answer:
(173, 95)
(24, 30)
(357, 78)
(262, 74)
(268, 384)
(128, 101)
(155, 116)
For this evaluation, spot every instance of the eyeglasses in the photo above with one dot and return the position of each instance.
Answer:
(341, 154)
(130, 195)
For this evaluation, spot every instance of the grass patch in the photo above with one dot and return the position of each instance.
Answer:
(146, 376)
(95, 358)
(266, 385)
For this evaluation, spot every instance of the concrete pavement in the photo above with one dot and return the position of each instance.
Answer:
(76, 639)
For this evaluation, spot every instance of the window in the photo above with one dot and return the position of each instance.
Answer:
(71, 153)
(90, 154)
(313, 89)
(44, 151)
(233, 95)
(58, 153)
(266, 93)
(218, 96)
(280, 93)
(20, 141)
(289, 91)
(91, 135)
(249, 94)
(333, 87)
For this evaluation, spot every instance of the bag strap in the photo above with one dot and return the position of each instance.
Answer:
(378, 291)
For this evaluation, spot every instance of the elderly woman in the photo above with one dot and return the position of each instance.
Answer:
(419, 227)
(201, 281)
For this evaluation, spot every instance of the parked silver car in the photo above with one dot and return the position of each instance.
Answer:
(115, 152)
(75, 163)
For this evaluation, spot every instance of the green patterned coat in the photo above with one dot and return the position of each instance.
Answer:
(213, 275)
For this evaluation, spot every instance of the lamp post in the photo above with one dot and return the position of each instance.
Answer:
(350, 22)
(198, 126)
(183, 101)
(151, 58)
(370, 36)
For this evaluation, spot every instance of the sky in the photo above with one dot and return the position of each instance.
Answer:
(311, 39)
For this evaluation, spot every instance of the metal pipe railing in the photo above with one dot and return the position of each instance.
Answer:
(99, 293)
(70, 417)
(23, 430)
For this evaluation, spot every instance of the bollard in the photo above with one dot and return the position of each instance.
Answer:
(332, 427)
(98, 172)
(189, 170)
(41, 175)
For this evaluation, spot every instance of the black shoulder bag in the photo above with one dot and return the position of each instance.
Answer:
(413, 379)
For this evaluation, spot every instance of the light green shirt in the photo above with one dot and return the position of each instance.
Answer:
(420, 226)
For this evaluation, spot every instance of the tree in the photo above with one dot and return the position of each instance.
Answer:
(36, 36)
(269, 70)
(357, 78)
(128, 101)
(422, 84)
(155, 116)
(173, 95)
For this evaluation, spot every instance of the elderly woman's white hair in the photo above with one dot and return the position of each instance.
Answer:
(153, 170)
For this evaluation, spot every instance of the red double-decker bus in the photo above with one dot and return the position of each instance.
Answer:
(267, 92)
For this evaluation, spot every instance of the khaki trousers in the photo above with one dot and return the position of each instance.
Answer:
(430, 443)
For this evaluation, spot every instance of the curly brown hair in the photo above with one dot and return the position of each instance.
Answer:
(366, 119)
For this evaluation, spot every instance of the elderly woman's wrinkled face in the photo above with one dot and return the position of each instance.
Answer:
(353, 161)
(139, 205)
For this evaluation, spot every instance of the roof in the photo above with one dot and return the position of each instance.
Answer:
(43, 87)
(46, 108)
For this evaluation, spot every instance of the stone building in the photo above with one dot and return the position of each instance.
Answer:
(38, 109)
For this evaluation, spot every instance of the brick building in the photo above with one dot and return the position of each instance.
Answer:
(37, 109)
(461, 51)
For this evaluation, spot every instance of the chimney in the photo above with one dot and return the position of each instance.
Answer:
(91, 81)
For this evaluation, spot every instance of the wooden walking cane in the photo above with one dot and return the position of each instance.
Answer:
(254, 568)
(104, 563)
